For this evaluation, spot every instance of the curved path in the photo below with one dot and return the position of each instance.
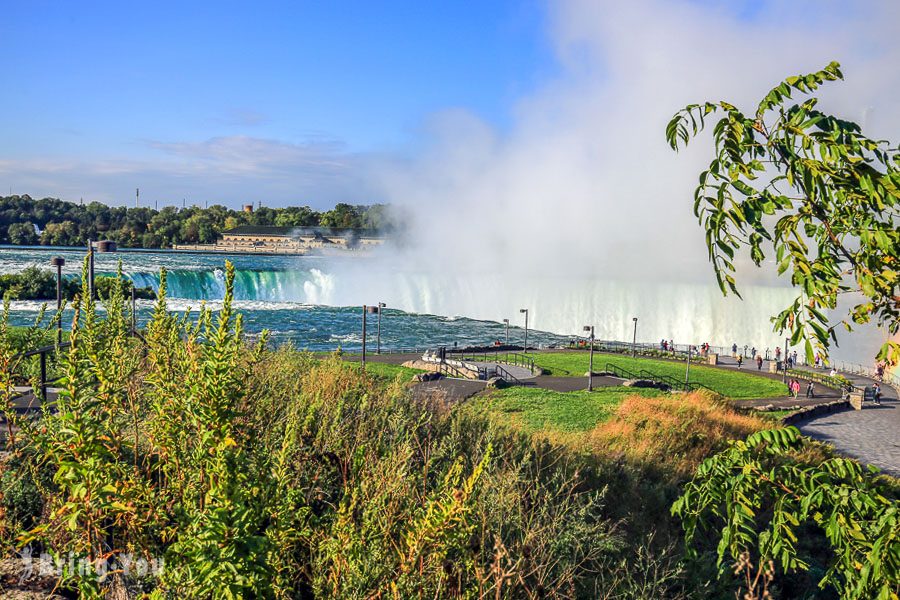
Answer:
(870, 435)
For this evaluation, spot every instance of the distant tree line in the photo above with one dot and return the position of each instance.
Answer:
(52, 222)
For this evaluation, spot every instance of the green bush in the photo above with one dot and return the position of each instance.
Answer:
(35, 284)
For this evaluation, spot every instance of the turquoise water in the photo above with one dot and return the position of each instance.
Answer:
(288, 296)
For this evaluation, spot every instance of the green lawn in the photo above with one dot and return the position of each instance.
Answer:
(730, 383)
(535, 409)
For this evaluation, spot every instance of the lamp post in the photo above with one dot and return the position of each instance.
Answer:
(687, 370)
(100, 246)
(507, 330)
(58, 262)
(364, 313)
(380, 306)
(634, 338)
(787, 340)
(525, 348)
(591, 360)
(375, 309)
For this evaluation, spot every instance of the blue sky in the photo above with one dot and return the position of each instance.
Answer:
(109, 79)
(303, 102)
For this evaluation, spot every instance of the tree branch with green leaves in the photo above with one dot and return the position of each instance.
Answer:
(810, 188)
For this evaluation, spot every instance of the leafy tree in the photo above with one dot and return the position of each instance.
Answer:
(824, 197)
(61, 234)
(22, 234)
(764, 499)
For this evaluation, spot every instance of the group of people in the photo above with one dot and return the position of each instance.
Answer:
(794, 387)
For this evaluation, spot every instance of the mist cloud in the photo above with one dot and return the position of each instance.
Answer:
(582, 204)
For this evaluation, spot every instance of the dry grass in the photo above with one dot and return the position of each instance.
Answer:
(676, 432)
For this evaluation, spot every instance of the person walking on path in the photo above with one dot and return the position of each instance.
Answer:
(734, 350)
(876, 397)
(810, 390)
(759, 362)
(740, 360)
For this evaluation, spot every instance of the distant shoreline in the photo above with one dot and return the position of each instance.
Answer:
(186, 252)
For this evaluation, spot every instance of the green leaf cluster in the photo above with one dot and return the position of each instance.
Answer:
(761, 497)
(811, 191)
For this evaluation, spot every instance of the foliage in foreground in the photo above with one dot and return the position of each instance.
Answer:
(257, 473)
(765, 502)
(825, 197)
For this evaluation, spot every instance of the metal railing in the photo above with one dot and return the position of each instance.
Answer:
(507, 376)
(448, 370)
(501, 357)
(667, 380)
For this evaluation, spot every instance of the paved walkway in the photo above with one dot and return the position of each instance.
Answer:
(870, 435)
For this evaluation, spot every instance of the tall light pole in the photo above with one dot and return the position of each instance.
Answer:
(377, 309)
(364, 313)
(634, 338)
(787, 340)
(687, 370)
(591, 360)
(58, 262)
(507, 330)
(100, 246)
(525, 348)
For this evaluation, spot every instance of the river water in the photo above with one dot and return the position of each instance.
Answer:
(289, 296)
(315, 302)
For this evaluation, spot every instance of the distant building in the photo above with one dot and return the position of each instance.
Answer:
(291, 240)
(248, 208)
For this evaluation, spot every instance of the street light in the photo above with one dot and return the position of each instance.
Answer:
(687, 370)
(525, 348)
(377, 310)
(787, 340)
(507, 331)
(591, 363)
(364, 313)
(58, 262)
(100, 246)
(634, 339)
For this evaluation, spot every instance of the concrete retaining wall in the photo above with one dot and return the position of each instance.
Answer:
(815, 411)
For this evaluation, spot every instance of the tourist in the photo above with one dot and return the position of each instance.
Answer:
(810, 390)
(767, 354)
(833, 372)
(753, 352)
(876, 396)
(759, 362)
(879, 371)
(794, 358)
(777, 353)
(790, 362)
(740, 361)
(796, 388)
(734, 350)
